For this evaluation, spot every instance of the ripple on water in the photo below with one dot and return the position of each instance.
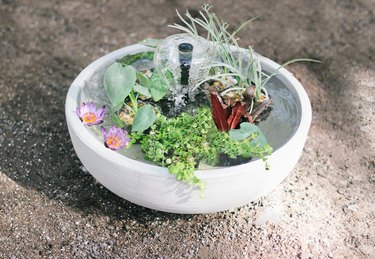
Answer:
(285, 117)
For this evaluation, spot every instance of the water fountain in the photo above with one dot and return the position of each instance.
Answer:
(188, 58)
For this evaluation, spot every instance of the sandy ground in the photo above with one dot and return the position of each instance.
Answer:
(51, 207)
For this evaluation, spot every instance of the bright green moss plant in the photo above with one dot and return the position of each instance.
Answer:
(182, 142)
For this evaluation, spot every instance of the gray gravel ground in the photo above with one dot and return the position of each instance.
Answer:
(51, 207)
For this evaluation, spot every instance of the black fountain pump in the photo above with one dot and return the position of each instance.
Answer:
(185, 56)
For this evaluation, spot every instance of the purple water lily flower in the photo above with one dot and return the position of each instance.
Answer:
(115, 138)
(89, 115)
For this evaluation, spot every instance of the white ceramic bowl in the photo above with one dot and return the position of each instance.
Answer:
(153, 187)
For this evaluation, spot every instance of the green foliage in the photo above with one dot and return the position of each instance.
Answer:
(232, 56)
(156, 87)
(117, 121)
(144, 118)
(223, 40)
(130, 59)
(119, 82)
(180, 143)
(245, 131)
(143, 80)
(143, 90)
(250, 131)
(160, 84)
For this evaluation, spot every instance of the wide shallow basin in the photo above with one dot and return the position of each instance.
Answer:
(153, 187)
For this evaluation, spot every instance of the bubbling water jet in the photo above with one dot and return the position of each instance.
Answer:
(187, 58)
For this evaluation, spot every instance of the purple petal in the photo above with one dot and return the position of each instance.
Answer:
(104, 132)
(84, 108)
(117, 133)
(90, 108)
(96, 122)
(101, 112)
(79, 113)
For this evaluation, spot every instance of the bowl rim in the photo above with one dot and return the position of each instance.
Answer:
(96, 146)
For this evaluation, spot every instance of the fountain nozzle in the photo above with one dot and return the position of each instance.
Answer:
(185, 57)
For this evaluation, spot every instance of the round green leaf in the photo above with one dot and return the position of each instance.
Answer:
(118, 82)
(246, 130)
(144, 118)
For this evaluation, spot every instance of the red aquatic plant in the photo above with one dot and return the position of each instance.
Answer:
(226, 117)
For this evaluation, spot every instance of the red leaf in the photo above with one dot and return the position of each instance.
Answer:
(237, 112)
(219, 113)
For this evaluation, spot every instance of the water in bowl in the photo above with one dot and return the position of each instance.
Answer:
(278, 128)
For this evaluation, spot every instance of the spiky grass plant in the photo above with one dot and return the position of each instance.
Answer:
(231, 64)
(231, 56)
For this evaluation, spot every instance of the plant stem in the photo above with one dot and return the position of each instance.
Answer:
(134, 101)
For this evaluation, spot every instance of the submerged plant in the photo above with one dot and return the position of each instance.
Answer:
(89, 115)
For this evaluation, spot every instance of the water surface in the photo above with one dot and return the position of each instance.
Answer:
(280, 125)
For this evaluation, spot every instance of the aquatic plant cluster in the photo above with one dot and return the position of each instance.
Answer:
(191, 101)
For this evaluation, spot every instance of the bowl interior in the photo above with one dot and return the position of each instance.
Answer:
(279, 127)
(285, 116)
